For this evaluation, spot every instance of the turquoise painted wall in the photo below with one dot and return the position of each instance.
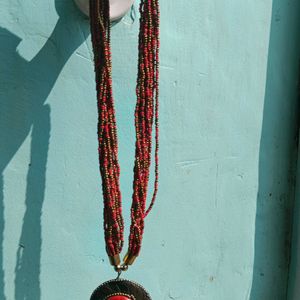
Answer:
(221, 226)
(294, 274)
(278, 155)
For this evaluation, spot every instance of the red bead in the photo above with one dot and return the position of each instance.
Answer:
(146, 115)
(119, 298)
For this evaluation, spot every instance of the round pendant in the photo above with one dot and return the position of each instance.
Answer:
(120, 289)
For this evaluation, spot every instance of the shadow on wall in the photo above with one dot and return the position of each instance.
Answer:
(24, 88)
(277, 158)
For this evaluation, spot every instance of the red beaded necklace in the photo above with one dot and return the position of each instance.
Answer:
(146, 114)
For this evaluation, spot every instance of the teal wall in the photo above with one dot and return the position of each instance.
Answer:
(294, 274)
(278, 155)
(221, 227)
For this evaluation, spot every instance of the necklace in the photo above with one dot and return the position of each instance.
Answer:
(146, 115)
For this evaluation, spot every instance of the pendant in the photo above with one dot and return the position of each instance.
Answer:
(120, 289)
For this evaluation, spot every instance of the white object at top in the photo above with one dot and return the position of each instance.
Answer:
(118, 8)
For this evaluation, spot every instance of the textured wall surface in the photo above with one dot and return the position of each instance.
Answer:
(220, 229)
(278, 155)
(294, 274)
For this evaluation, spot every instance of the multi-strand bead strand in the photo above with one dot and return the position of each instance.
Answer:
(146, 114)
(146, 111)
(107, 137)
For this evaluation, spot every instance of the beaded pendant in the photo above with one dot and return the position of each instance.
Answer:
(120, 289)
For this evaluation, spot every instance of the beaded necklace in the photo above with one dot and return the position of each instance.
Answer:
(146, 116)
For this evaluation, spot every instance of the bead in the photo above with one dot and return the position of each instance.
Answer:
(146, 116)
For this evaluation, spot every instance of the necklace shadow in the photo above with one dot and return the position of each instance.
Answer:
(24, 89)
